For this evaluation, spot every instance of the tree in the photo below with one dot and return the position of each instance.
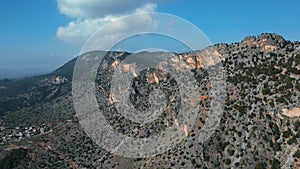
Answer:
(275, 164)
(297, 125)
(259, 165)
(287, 133)
(297, 154)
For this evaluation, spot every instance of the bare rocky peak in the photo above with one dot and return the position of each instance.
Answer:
(268, 41)
(272, 36)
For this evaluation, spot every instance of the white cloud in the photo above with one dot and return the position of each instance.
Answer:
(85, 23)
(120, 29)
(97, 8)
(79, 30)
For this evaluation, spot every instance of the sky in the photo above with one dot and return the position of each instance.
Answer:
(42, 35)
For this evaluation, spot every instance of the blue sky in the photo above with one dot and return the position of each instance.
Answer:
(44, 34)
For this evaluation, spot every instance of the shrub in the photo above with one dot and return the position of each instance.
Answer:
(296, 125)
(227, 161)
(259, 165)
(287, 134)
(297, 154)
(275, 164)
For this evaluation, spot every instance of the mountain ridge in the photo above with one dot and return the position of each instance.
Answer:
(262, 82)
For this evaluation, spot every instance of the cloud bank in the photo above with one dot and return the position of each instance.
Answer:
(90, 15)
(98, 8)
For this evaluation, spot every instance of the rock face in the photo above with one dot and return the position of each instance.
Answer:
(292, 113)
(266, 42)
(259, 128)
(58, 80)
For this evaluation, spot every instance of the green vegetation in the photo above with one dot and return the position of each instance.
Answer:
(287, 133)
(275, 164)
(297, 154)
(259, 165)
(227, 161)
(17, 157)
(297, 125)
